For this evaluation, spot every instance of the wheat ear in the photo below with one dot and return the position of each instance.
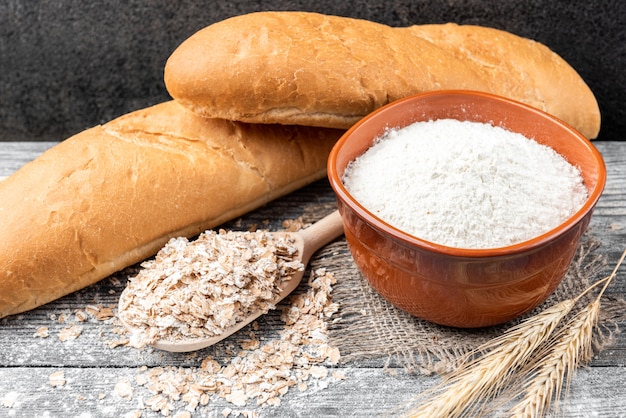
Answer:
(571, 348)
(482, 378)
(554, 368)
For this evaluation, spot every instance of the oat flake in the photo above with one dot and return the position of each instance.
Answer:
(70, 333)
(42, 332)
(260, 373)
(124, 389)
(195, 289)
(57, 379)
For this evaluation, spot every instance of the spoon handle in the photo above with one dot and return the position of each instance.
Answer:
(321, 233)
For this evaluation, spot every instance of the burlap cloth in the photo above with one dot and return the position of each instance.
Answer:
(368, 327)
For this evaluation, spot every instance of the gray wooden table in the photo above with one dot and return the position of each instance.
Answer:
(89, 369)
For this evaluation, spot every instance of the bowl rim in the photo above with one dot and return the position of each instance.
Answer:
(524, 246)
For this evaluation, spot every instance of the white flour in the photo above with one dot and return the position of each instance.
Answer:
(465, 184)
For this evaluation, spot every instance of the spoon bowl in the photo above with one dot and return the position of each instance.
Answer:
(307, 241)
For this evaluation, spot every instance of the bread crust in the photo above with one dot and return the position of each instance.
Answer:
(320, 70)
(113, 195)
(522, 69)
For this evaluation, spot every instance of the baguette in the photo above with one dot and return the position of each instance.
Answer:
(319, 70)
(113, 195)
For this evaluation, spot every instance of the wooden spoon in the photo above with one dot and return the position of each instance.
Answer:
(308, 241)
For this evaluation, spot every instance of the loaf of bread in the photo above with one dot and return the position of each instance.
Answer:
(319, 70)
(113, 195)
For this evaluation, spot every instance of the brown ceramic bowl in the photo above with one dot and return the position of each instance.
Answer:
(458, 287)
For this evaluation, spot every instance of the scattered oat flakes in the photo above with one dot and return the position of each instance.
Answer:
(319, 372)
(159, 403)
(118, 343)
(99, 312)
(70, 333)
(274, 401)
(57, 379)
(237, 398)
(200, 288)
(263, 372)
(339, 376)
(80, 316)
(333, 355)
(120, 331)
(250, 344)
(115, 281)
(322, 384)
(105, 313)
(141, 379)
(124, 389)
(293, 225)
(42, 332)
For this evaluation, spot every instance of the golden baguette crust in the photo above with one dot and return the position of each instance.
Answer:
(522, 69)
(113, 195)
(320, 70)
(304, 68)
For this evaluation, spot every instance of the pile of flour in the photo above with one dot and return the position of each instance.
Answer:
(465, 184)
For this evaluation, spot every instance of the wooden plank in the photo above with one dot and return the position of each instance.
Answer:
(13, 155)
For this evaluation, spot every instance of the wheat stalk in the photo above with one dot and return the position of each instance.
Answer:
(571, 348)
(481, 379)
(554, 368)
(484, 377)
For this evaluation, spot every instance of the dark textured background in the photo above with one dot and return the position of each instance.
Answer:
(66, 65)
